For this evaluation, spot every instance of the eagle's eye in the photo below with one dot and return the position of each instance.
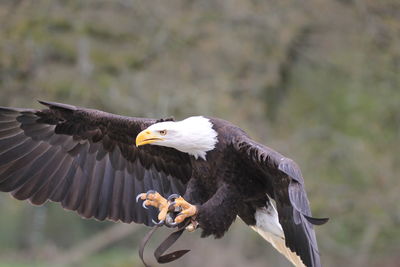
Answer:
(163, 132)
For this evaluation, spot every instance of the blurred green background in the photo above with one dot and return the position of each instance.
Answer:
(317, 80)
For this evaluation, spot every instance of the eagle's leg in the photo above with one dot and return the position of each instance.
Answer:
(216, 215)
(153, 198)
(187, 210)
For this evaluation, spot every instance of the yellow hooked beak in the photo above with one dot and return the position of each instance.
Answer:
(147, 137)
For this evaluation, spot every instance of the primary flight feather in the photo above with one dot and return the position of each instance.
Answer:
(96, 163)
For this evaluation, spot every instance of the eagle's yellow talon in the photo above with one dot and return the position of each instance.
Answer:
(153, 198)
(188, 210)
(163, 213)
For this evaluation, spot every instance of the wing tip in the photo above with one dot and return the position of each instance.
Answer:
(57, 105)
(11, 111)
(316, 221)
(7, 110)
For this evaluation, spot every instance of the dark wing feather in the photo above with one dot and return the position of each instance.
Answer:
(290, 197)
(87, 160)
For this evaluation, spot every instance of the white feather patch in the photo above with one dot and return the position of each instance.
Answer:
(193, 135)
(268, 226)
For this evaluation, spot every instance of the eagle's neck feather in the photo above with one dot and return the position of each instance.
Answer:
(198, 135)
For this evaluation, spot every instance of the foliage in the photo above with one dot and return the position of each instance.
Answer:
(316, 80)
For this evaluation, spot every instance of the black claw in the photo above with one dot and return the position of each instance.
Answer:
(147, 193)
(138, 197)
(173, 224)
(171, 207)
(158, 223)
(169, 219)
(150, 192)
(173, 197)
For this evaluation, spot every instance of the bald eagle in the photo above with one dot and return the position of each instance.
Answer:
(95, 163)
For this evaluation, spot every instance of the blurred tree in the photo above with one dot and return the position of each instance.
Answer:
(317, 80)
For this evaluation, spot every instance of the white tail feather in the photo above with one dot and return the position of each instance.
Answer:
(268, 226)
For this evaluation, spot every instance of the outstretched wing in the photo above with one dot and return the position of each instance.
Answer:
(290, 197)
(86, 160)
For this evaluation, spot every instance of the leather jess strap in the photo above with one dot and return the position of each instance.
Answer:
(166, 244)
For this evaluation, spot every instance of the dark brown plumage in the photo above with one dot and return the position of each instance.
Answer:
(87, 160)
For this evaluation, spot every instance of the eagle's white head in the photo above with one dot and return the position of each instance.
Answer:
(193, 135)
